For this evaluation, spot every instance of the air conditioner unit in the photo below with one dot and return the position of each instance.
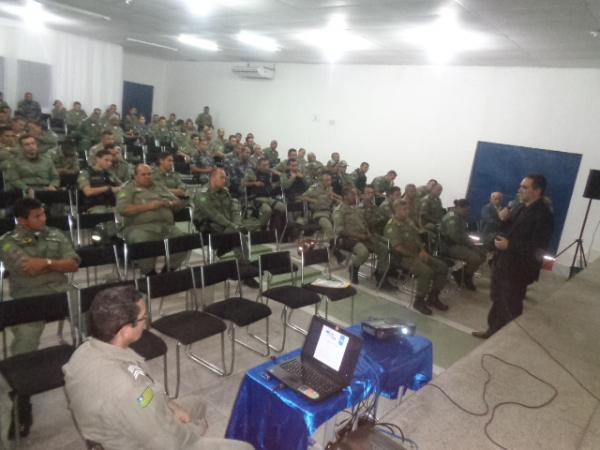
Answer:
(260, 71)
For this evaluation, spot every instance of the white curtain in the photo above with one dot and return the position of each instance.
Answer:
(83, 69)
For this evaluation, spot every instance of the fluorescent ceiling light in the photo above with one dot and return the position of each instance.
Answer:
(256, 40)
(445, 38)
(204, 8)
(195, 41)
(76, 10)
(335, 39)
(152, 44)
(34, 15)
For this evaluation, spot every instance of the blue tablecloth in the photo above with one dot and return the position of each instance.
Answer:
(274, 418)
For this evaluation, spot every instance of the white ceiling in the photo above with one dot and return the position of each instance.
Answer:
(541, 33)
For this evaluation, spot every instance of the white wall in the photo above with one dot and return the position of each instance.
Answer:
(82, 69)
(145, 70)
(421, 121)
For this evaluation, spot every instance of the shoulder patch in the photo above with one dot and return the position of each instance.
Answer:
(145, 397)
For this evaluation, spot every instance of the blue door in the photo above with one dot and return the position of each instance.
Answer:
(139, 96)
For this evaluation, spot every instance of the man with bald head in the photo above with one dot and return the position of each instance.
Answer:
(490, 219)
(148, 211)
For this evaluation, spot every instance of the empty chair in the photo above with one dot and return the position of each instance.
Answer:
(238, 311)
(39, 371)
(290, 296)
(222, 243)
(63, 223)
(149, 346)
(93, 256)
(148, 250)
(90, 221)
(185, 243)
(321, 256)
(187, 326)
(62, 196)
(262, 237)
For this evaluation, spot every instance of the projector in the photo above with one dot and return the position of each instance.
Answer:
(387, 328)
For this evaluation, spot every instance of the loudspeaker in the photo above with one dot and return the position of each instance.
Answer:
(592, 188)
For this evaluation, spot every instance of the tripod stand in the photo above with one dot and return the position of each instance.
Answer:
(573, 270)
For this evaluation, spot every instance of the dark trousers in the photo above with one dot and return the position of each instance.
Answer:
(507, 292)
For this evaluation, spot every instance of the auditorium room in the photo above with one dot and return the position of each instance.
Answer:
(299, 224)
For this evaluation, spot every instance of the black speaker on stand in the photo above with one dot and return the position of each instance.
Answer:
(592, 192)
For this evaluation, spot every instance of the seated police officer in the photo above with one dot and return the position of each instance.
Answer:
(114, 399)
(99, 185)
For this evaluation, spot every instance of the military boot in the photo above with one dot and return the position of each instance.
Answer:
(353, 273)
(469, 284)
(457, 275)
(421, 306)
(25, 418)
(434, 300)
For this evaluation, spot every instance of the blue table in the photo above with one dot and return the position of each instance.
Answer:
(275, 418)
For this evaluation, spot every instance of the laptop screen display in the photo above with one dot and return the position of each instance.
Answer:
(331, 347)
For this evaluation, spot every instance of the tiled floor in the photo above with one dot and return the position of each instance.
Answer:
(449, 332)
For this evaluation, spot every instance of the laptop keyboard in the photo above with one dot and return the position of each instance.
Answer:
(309, 376)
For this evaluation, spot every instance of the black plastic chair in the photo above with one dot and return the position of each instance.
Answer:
(321, 256)
(64, 223)
(7, 224)
(141, 250)
(90, 221)
(39, 371)
(185, 243)
(238, 311)
(222, 243)
(184, 215)
(68, 180)
(148, 346)
(8, 198)
(290, 296)
(93, 256)
(188, 326)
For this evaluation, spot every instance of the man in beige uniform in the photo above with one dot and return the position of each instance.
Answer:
(114, 400)
(148, 211)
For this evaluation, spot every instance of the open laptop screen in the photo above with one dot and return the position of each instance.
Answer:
(331, 347)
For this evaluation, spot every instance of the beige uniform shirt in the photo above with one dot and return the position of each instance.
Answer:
(132, 194)
(116, 403)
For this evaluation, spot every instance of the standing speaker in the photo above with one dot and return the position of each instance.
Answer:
(592, 188)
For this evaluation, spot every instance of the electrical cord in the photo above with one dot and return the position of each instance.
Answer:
(498, 405)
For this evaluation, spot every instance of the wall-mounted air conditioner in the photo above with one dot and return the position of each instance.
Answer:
(260, 71)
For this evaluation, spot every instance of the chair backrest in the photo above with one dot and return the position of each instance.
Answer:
(165, 284)
(262, 237)
(275, 260)
(184, 243)
(141, 250)
(87, 221)
(8, 198)
(47, 308)
(97, 255)
(86, 295)
(50, 197)
(183, 215)
(64, 223)
(218, 272)
(314, 256)
(7, 224)
(223, 243)
(68, 180)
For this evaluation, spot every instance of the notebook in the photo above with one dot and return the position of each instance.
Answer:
(326, 364)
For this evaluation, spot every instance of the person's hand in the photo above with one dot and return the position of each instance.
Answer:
(180, 414)
(52, 188)
(501, 243)
(423, 256)
(32, 266)
(504, 214)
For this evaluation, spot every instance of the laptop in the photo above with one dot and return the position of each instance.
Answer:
(326, 364)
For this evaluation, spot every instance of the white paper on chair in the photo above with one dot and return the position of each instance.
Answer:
(333, 284)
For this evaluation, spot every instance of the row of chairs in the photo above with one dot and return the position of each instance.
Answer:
(40, 371)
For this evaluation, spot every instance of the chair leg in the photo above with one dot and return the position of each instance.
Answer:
(267, 351)
(266, 341)
(222, 371)
(352, 310)
(295, 327)
(166, 376)
(17, 424)
(178, 368)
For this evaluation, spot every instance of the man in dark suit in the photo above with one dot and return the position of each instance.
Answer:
(519, 254)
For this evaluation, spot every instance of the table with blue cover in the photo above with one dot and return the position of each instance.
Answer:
(272, 417)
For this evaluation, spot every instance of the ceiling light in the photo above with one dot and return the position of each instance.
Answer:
(195, 41)
(443, 39)
(256, 40)
(335, 39)
(206, 7)
(152, 44)
(76, 10)
(33, 14)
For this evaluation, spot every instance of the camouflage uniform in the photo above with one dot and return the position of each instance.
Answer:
(153, 225)
(204, 120)
(36, 173)
(313, 171)
(49, 243)
(29, 109)
(322, 208)
(90, 131)
(171, 180)
(272, 156)
(104, 202)
(47, 142)
(63, 162)
(202, 160)
(381, 186)
(121, 170)
(262, 196)
(432, 274)
(456, 243)
(432, 210)
(74, 118)
(353, 234)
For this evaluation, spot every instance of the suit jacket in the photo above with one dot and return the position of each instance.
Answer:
(528, 233)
